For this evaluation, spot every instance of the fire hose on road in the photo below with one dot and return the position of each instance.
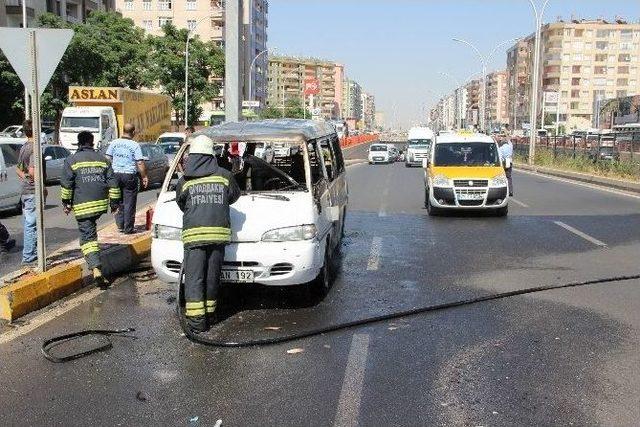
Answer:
(201, 339)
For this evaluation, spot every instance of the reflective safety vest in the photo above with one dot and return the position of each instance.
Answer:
(88, 184)
(205, 201)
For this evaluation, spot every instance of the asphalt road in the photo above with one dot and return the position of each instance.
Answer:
(60, 228)
(564, 357)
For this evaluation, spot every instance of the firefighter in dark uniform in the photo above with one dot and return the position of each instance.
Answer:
(204, 194)
(89, 188)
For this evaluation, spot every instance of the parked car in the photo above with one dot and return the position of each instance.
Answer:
(286, 228)
(10, 185)
(13, 131)
(54, 156)
(170, 149)
(171, 137)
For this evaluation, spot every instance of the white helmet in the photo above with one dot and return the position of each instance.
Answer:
(201, 144)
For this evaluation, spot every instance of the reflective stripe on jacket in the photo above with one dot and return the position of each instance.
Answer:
(88, 184)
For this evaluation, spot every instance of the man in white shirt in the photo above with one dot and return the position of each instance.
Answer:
(506, 155)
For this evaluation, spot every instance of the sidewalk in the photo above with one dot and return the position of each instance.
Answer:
(24, 290)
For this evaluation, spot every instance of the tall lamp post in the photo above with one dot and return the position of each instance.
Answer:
(533, 118)
(253, 63)
(186, 71)
(484, 60)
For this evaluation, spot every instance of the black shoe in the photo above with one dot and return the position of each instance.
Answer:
(197, 324)
(99, 280)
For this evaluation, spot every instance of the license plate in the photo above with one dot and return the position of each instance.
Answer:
(378, 159)
(237, 276)
(470, 196)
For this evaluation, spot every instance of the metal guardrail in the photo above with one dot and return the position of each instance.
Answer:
(615, 151)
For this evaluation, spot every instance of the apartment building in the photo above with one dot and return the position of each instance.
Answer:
(73, 11)
(368, 111)
(205, 19)
(472, 106)
(352, 100)
(497, 113)
(339, 87)
(286, 79)
(584, 61)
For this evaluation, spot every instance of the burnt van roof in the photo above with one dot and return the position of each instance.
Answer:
(281, 130)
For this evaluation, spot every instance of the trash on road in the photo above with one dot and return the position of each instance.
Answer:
(295, 350)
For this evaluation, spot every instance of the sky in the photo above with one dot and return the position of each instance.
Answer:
(396, 49)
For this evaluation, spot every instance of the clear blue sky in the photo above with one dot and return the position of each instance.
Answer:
(396, 48)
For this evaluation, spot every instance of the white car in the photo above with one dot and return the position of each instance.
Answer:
(286, 229)
(171, 138)
(379, 153)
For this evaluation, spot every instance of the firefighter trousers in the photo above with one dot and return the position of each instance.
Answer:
(89, 241)
(202, 270)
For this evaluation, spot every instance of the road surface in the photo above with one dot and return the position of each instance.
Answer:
(565, 357)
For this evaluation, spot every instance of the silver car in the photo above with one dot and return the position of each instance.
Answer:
(10, 185)
(54, 156)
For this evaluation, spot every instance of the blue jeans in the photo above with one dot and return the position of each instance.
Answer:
(29, 250)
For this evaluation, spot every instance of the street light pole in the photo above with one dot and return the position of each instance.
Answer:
(253, 62)
(484, 61)
(186, 71)
(533, 118)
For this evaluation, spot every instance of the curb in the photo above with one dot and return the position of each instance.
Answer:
(38, 291)
(353, 162)
(617, 184)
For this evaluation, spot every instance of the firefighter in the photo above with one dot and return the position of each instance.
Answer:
(88, 188)
(204, 194)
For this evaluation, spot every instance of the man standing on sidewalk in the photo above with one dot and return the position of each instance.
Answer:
(88, 187)
(26, 173)
(127, 161)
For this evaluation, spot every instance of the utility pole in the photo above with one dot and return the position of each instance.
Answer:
(26, 90)
(233, 37)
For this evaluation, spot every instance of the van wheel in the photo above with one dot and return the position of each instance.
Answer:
(432, 210)
(407, 165)
(426, 197)
(322, 284)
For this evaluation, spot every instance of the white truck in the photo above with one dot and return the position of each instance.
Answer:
(419, 142)
(103, 111)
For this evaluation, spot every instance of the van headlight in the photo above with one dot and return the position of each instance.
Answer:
(498, 181)
(440, 181)
(291, 234)
(166, 233)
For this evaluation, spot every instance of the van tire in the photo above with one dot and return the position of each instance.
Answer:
(432, 210)
(502, 212)
(322, 284)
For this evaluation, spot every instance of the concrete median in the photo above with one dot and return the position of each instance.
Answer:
(25, 291)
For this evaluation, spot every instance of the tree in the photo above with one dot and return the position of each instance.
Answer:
(293, 109)
(167, 71)
(11, 95)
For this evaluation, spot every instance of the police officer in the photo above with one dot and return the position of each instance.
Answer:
(204, 194)
(88, 187)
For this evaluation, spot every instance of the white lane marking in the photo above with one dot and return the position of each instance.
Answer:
(351, 393)
(581, 234)
(382, 214)
(49, 315)
(581, 184)
(374, 256)
(518, 202)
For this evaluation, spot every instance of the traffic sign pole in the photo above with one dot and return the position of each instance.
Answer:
(37, 152)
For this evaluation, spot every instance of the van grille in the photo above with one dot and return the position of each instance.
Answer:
(470, 183)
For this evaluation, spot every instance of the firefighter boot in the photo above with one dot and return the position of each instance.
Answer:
(99, 280)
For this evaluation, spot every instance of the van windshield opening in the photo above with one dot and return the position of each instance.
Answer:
(466, 154)
(80, 122)
(257, 172)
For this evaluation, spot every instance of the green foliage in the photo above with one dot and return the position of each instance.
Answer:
(167, 69)
(293, 109)
(108, 50)
(624, 169)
